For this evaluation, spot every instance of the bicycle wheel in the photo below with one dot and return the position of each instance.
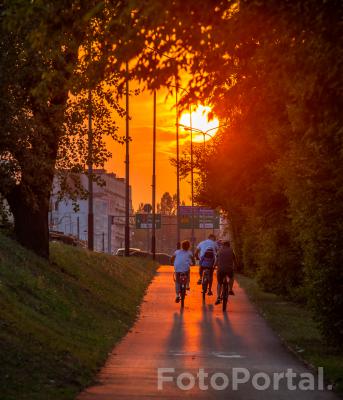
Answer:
(183, 294)
(225, 295)
(204, 287)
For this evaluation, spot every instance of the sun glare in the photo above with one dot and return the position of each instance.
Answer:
(200, 123)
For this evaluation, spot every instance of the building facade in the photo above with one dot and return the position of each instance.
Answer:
(71, 217)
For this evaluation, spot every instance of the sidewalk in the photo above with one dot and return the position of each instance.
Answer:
(200, 337)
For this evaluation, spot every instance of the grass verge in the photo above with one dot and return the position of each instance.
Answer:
(59, 319)
(296, 327)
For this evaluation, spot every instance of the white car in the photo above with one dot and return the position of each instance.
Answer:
(121, 252)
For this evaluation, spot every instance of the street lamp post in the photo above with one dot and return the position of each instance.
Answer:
(127, 168)
(90, 170)
(153, 230)
(177, 165)
(192, 177)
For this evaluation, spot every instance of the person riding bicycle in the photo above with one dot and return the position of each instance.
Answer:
(206, 252)
(226, 263)
(182, 261)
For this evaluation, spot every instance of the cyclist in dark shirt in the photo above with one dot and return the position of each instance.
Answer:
(226, 262)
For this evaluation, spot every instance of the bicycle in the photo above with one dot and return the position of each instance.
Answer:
(182, 278)
(206, 277)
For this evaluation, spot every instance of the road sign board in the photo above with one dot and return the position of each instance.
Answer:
(144, 221)
(204, 218)
(208, 219)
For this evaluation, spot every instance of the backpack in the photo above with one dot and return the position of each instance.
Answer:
(207, 260)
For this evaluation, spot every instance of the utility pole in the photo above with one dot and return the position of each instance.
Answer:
(90, 167)
(177, 164)
(192, 176)
(127, 169)
(153, 230)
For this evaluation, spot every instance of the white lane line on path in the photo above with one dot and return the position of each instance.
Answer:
(202, 354)
(228, 355)
(185, 353)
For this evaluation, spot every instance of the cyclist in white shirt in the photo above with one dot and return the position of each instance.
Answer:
(182, 260)
(205, 247)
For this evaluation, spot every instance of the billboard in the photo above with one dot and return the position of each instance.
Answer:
(204, 218)
(144, 221)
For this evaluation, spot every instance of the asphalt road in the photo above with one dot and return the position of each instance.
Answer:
(236, 343)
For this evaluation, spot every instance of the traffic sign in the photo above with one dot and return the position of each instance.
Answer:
(204, 218)
(144, 221)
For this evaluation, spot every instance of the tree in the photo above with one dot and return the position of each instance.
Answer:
(140, 208)
(43, 73)
(168, 204)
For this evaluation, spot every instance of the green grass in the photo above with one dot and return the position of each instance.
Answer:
(59, 320)
(296, 327)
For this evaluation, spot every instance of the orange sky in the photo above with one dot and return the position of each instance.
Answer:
(141, 112)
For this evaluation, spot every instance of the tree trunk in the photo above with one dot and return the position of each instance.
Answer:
(31, 223)
(29, 201)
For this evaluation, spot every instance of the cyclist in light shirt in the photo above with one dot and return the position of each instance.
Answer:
(204, 247)
(182, 260)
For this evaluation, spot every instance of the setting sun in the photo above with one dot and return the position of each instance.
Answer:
(203, 129)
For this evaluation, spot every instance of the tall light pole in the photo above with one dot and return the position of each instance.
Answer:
(90, 167)
(127, 167)
(153, 230)
(192, 177)
(177, 164)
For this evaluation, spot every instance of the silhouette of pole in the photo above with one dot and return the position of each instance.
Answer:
(192, 176)
(127, 168)
(153, 230)
(177, 165)
(90, 169)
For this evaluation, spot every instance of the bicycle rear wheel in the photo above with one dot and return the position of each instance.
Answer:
(183, 294)
(204, 288)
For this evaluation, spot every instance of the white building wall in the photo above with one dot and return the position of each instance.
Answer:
(108, 200)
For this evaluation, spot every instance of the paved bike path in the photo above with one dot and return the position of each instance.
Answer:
(201, 336)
